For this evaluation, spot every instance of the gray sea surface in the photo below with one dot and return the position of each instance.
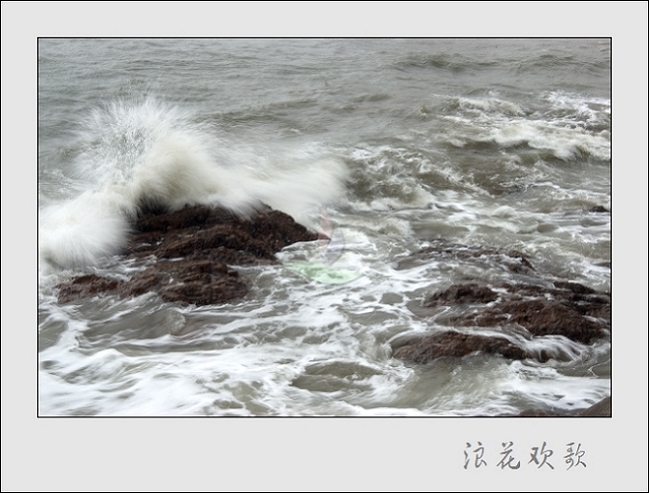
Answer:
(388, 144)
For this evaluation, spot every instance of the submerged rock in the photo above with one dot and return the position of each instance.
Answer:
(530, 309)
(423, 349)
(462, 293)
(601, 409)
(538, 305)
(441, 250)
(187, 254)
(567, 309)
(86, 286)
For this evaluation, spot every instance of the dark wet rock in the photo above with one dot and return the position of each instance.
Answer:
(517, 319)
(462, 293)
(537, 306)
(86, 286)
(331, 376)
(227, 237)
(601, 409)
(567, 308)
(441, 250)
(198, 282)
(186, 254)
(540, 317)
(598, 209)
(538, 414)
(574, 287)
(144, 282)
(423, 349)
(205, 291)
(203, 229)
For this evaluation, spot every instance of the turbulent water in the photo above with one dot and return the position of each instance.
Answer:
(387, 146)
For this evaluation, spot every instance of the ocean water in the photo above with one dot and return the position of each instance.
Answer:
(386, 145)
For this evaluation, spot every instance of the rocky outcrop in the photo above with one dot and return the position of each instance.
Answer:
(566, 308)
(185, 255)
(510, 319)
(86, 286)
(440, 250)
(539, 305)
(201, 231)
(453, 344)
(462, 293)
(600, 409)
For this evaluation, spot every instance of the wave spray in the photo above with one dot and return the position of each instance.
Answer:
(130, 156)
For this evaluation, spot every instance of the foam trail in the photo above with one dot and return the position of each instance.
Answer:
(163, 159)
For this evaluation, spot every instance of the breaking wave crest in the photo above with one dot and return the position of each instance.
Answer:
(149, 154)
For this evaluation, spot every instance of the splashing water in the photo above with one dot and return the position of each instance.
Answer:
(151, 154)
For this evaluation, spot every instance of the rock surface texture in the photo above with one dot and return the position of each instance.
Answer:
(186, 254)
(540, 305)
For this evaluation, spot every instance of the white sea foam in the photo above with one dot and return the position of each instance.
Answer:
(81, 231)
(564, 143)
(565, 129)
(491, 105)
(590, 109)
